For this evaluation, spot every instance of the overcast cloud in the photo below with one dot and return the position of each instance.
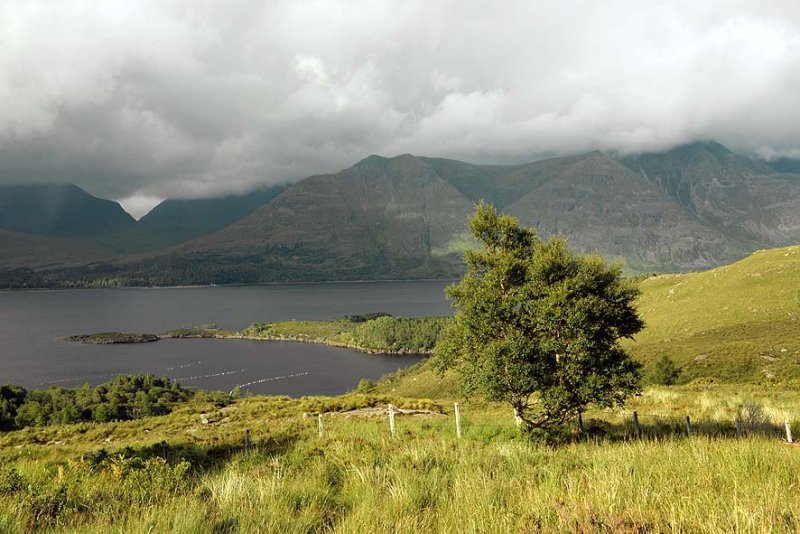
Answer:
(140, 100)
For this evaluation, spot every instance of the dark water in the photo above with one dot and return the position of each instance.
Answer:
(32, 323)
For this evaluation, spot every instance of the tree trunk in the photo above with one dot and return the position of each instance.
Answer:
(518, 415)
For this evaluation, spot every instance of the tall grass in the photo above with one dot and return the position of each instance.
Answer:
(359, 479)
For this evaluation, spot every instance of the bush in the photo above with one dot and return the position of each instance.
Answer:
(364, 317)
(666, 372)
(365, 386)
(10, 481)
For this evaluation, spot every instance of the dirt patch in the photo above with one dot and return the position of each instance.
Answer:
(379, 411)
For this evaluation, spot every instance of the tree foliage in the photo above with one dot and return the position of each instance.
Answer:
(125, 397)
(666, 372)
(408, 334)
(539, 327)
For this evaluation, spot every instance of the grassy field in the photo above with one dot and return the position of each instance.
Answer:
(738, 323)
(357, 478)
(734, 324)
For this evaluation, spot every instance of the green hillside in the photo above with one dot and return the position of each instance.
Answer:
(732, 330)
(734, 324)
(740, 322)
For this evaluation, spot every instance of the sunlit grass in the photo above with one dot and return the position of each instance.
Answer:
(358, 478)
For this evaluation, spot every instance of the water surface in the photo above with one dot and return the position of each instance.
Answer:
(33, 355)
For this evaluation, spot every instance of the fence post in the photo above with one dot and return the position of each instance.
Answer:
(458, 419)
(738, 428)
(580, 423)
(688, 427)
(320, 427)
(391, 419)
(247, 441)
(788, 431)
(636, 428)
(164, 447)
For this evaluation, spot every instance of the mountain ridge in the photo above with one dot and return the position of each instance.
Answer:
(695, 206)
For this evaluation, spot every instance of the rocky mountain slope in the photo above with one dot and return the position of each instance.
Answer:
(693, 207)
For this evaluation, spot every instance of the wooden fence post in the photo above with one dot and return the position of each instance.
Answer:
(788, 431)
(580, 423)
(458, 419)
(320, 428)
(688, 427)
(637, 430)
(738, 428)
(247, 441)
(391, 419)
(164, 447)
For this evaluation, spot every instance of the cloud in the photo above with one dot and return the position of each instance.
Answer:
(157, 98)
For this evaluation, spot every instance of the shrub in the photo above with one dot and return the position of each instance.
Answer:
(10, 481)
(666, 372)
(365, 386)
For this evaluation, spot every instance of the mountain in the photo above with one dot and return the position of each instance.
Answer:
(60, 226)
(376, 220)
(174, 221)
(382, 218)
(26, 251)
(736, 196)
(693, 207)
(785, 165)
(60, 210)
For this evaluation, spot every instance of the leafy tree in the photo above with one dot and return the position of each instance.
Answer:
(125, 397)
(537, 326)
(11, 398)
(666, 372)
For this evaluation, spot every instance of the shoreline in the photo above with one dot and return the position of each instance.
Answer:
(199, 286)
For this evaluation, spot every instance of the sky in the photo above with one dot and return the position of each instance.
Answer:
(147, 99)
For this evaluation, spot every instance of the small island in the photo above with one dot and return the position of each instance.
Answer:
(113, 338)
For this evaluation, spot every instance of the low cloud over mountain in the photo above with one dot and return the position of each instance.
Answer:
(144, 100)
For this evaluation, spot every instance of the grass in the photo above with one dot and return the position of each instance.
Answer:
(734, 323)
(357, 478)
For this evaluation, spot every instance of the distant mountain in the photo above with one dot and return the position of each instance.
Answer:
(60, 210)
(382, 218)
(692, 207)
(785, 165)
(52, 225)
(19, 251)
(177, 220)
(741, 198)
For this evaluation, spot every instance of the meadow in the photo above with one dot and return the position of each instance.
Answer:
(115, 477)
